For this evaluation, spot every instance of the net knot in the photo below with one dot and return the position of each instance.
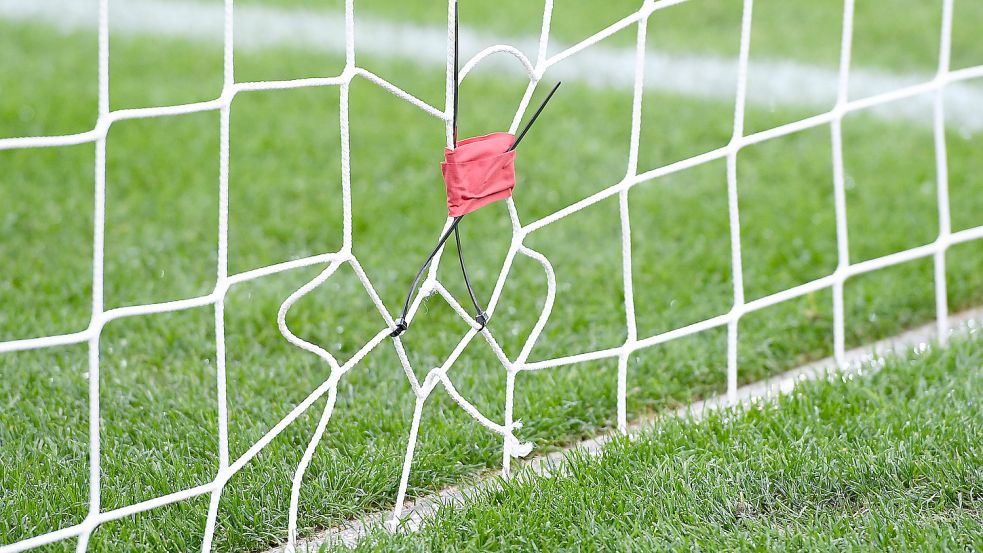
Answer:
(516, 448)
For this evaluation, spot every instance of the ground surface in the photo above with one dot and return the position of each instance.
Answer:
(884, 461)
(157, 379)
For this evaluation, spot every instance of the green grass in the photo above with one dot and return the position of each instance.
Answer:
(883, 462)
(713, 26)
(157, 374)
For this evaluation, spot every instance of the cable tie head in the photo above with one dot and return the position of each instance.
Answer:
(401, 326)
(482, 318)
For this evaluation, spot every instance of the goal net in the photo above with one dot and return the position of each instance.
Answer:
(538, 67)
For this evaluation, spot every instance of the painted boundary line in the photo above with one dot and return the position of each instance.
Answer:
(770, 82)
(417, 513)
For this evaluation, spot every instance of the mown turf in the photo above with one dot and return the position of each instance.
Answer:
(711, 26)
(157, 377)
(881, 462)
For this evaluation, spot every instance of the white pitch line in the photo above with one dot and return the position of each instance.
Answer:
(771, 83)
(860, 360)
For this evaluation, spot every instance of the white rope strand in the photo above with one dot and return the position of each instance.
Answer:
(942, 176)
(737, 271)
(222, 271)
(839, 184)
(536, 68)
(624, 212)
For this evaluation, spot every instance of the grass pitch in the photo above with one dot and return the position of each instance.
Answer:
(158, 399)
(882, 462)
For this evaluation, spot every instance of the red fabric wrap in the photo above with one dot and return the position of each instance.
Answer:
(478, 172)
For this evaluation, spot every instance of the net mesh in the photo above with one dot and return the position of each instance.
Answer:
(536, 69)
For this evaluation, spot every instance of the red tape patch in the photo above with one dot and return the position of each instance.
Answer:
(478, 172)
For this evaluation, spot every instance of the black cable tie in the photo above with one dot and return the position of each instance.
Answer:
(515, 143)
(416, 281)
(401, 327)
(467, 280)
(481, 317)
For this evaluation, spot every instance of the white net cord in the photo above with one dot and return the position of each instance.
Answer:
(441, 375)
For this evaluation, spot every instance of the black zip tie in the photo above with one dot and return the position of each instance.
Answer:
(515, 143)
(401, 323)
(481, 317)
(457, 69)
